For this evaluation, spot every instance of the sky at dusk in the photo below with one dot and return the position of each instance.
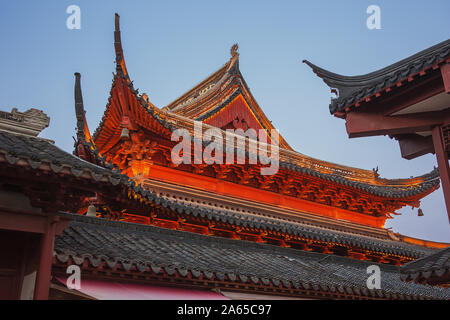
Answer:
(170, 46)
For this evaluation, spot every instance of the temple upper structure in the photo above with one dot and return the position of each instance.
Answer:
(135, 135)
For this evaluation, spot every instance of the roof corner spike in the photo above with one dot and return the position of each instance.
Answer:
(117, 22)
(79, 107)
(120, 61)
(83, 133)
(317, 70)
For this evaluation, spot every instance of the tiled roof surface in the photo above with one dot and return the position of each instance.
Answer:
(293, 228)
(353, 89)
(430, 180)
(37, 151)
(153, 249)
(433, 265)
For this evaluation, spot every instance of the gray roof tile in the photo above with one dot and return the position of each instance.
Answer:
(116, 243)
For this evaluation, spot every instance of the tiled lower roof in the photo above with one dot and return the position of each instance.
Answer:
(37, 151)
(153, 249)
(293, 228)
(433, 265)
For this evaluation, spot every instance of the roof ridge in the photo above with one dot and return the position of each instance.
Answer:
(222, 71)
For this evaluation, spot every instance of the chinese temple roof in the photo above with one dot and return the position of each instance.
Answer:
(432, 268)
(364, 180)
(190, 107)
(353, 89)
(100, 243)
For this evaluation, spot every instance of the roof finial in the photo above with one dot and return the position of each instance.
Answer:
(117, 22)
(234, 50)
(120, 61)
(83, 134)
(79, 107)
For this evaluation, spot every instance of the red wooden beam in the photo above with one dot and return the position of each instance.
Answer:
(442, 159)
(445, 71)
(413, 146)
(365, 124)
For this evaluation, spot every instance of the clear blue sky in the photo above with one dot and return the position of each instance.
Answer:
(172, 45)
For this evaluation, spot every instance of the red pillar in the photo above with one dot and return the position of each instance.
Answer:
(42, 287)
(442, 159)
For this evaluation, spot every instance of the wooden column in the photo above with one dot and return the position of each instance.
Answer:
(445, 72)
(42, 287)
(442, 159)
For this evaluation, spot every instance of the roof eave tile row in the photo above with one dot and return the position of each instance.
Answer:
(89, 239)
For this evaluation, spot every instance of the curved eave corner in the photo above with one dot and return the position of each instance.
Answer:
(122, 78)
(351, 90)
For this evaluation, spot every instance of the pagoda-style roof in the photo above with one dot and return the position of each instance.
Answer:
(146, 252)
(351, 90)
(133, 130)
(183, 111)
(109, 131)
(431, 269)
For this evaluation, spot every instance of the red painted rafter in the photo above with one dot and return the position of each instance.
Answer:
(414, 145)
